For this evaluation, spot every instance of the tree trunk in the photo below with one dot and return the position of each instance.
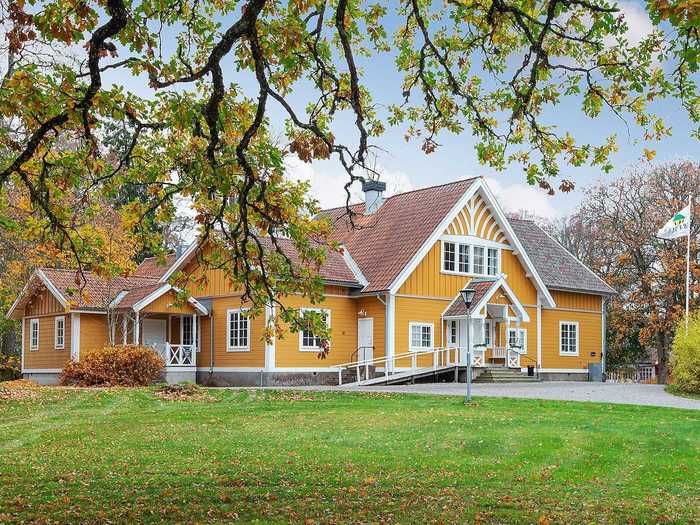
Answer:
(662, 352)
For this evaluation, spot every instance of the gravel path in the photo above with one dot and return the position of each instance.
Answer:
(629, 394)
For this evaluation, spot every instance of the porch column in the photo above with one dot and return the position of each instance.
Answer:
(507, 332)
(137, 329)
(125, 328)
(389, 339)
(194, 330)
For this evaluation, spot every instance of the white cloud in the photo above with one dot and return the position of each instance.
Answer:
(328, 186)
(638, 22)
(519, 197)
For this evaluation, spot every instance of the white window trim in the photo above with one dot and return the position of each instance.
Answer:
(230, 348)
(450, 322)
(34, 347)
(490, 324)
(523, 338)
(578, 339)
(56, 346)
(314, 349)
(411, 324)
(470, 273)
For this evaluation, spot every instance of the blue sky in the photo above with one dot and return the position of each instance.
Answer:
(405, 166)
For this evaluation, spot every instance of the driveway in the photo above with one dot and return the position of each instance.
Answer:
(627, 393)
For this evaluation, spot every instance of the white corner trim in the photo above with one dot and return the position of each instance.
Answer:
(75, 336)
(354, 267)
(270, 347)
(23, 345)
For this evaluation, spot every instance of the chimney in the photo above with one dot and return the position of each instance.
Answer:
(374, 195)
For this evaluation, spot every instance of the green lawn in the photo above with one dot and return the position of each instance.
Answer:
(274, 457)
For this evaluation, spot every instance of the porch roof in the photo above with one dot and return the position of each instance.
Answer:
(484, 290)
(139, 298)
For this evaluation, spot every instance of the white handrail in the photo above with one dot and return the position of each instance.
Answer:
(441, 358)
(179, 355)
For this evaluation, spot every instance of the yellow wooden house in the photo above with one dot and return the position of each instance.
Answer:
(393, 301)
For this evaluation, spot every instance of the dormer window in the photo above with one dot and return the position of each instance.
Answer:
(469, 259)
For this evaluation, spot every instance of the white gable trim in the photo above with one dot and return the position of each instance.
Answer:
(354, 267)
(49, 286)
(500, 218)
(433, 238)
(162, 290)
(498, 283)
(179, 262)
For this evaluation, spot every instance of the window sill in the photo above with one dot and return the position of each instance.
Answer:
(314, 349)
(237, 349)
(59, 349)
(567, 354)
(461, 274)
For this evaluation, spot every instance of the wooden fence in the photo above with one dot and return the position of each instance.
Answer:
(641, 374)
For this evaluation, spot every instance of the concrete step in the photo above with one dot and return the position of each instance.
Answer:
(504, 375)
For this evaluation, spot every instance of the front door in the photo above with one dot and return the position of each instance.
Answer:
(365, 339)
(154, 331)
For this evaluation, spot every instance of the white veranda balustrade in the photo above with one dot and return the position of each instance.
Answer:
(178, 355)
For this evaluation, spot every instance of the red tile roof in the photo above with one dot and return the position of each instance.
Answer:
(153, 267)
(384, 242)
(457, 306)
(92, 291)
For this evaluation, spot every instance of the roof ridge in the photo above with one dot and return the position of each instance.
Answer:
(92, 273)
(416, 190)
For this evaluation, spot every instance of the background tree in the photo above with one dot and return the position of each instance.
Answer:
(614, 232)
(196, 129)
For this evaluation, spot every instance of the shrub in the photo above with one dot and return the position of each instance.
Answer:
(129, 365)
(9, 367)
(685, 361)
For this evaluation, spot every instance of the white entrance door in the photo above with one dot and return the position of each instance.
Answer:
(154, 331)
(462, 330)
(365, 339)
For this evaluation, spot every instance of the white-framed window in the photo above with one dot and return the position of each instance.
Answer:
(517, 339)
(238, 330)
(186, 330)
(59, 333)
(467, 259)
(478, 260)
(568, 338)
(492, 261)
(452, 334)
(448, 256)
(464, 258)
(34, 334)
(420, 336)
(308, 341)
(488, 328)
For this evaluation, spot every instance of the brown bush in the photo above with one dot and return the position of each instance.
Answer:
(9, 367)
(129, 365)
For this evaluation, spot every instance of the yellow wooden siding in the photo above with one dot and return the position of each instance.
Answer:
(46, 356)
(343, 335)
(579, 301)
(377, 311)
(222, 358)
(43, 303)
(93, 332)
(517, 279)
(590, 339)
(166, 303)
(409, 309)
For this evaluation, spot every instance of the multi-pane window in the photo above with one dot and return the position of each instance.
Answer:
(464, 258)
(60, 333)
(421, 336)
(487, 333)
(34, 334)
(449, 257)
(452, 337)
(186, 330)
(238, 331)
(517, 339)
(468, 259)
(309, 340)
(492, 261)
(478, 260)
(568, 338)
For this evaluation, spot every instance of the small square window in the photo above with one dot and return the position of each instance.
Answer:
(479, 260)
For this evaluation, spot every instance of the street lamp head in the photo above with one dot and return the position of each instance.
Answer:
(468, 296)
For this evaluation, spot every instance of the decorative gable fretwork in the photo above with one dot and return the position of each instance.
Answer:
(476, 220)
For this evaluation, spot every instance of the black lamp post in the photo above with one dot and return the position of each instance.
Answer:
(468, 296)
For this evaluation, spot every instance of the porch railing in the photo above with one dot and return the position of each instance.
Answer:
(179, 355)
